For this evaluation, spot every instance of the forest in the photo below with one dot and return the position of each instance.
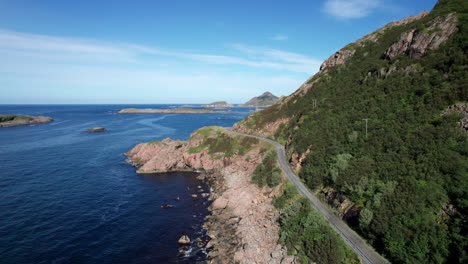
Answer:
(379, 138)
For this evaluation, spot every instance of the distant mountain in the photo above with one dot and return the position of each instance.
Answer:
(218, 104)
(266, 99)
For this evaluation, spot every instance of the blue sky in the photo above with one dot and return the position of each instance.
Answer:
(175, 51)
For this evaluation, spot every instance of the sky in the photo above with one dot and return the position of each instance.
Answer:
(154, 52)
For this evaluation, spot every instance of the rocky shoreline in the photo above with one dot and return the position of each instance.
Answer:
(14, 120)
(242, 227)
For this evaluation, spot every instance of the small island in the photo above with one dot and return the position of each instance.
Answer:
(169, 111)
(18, 120)
(96, 129)
(220, 104)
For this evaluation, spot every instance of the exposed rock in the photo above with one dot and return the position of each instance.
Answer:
(340, 57)
(460, 108)
(243, 226)
(165, 206)
(343, 55)
(184, 240)
(14, 120)
(267, 130)
(298, 160)
(96, 129)
(194, 196)
(416, 43)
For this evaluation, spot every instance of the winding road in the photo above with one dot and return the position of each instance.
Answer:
(367, 254)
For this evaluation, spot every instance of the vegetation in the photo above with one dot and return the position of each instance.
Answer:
(306, 234)
(411, 166)
(267, 173)
(219, 141)
(5, 118)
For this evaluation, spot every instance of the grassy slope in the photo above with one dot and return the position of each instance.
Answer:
(413, 161)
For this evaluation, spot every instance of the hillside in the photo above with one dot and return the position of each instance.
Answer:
(266, 99)
(378, 132)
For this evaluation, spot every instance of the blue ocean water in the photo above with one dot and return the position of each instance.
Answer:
(67, 196)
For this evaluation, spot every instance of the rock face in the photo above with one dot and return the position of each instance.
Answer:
(266, 99)
(417, 43)
(14, 120)
(460, 108)
(342, 56)
(243, 226)
(96, 129)
(267, 130)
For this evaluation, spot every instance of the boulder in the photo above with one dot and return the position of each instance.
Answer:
(165, 206)
(184, 240)
(96, 129)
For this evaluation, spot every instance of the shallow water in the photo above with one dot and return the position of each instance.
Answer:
(67, 196)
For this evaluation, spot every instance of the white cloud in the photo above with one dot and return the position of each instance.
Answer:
(350, 8)
(280, 37)
(74, 49)
(75, 70)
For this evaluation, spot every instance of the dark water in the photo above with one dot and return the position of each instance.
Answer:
(67, 196)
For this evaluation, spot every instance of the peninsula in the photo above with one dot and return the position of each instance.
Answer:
(16, 120)
(169, 111)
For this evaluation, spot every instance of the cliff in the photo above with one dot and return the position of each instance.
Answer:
(380, 132)
(14, 120)
(243, 226)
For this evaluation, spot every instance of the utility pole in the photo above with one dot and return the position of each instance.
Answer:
(314, 103)
(367, 120)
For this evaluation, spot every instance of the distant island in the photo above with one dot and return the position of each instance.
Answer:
(266, 99)
(169, 111)
(17, 120)
(218, 104)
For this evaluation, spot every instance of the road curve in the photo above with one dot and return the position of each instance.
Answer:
(367, 254)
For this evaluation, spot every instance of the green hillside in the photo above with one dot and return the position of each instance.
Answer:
(408, 176)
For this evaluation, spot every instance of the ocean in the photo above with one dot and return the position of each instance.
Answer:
(67, 196)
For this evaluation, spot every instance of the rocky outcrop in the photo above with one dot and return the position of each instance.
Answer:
(96, 129)
(298, 160)
(243, 226)
(416, 43)
(460, 108)
(343, 55)
(267, 130)
(14, 120)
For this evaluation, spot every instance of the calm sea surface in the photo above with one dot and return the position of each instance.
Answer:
(67, 196)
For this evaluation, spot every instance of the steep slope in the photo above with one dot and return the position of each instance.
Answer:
(266, 99)
(373, 132)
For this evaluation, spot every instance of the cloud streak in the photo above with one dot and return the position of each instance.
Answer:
(280, 37)
(349, 9)
(50, 69)
(75, 49)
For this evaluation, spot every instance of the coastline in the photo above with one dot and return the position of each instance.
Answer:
(14, 120)
(242, 227)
